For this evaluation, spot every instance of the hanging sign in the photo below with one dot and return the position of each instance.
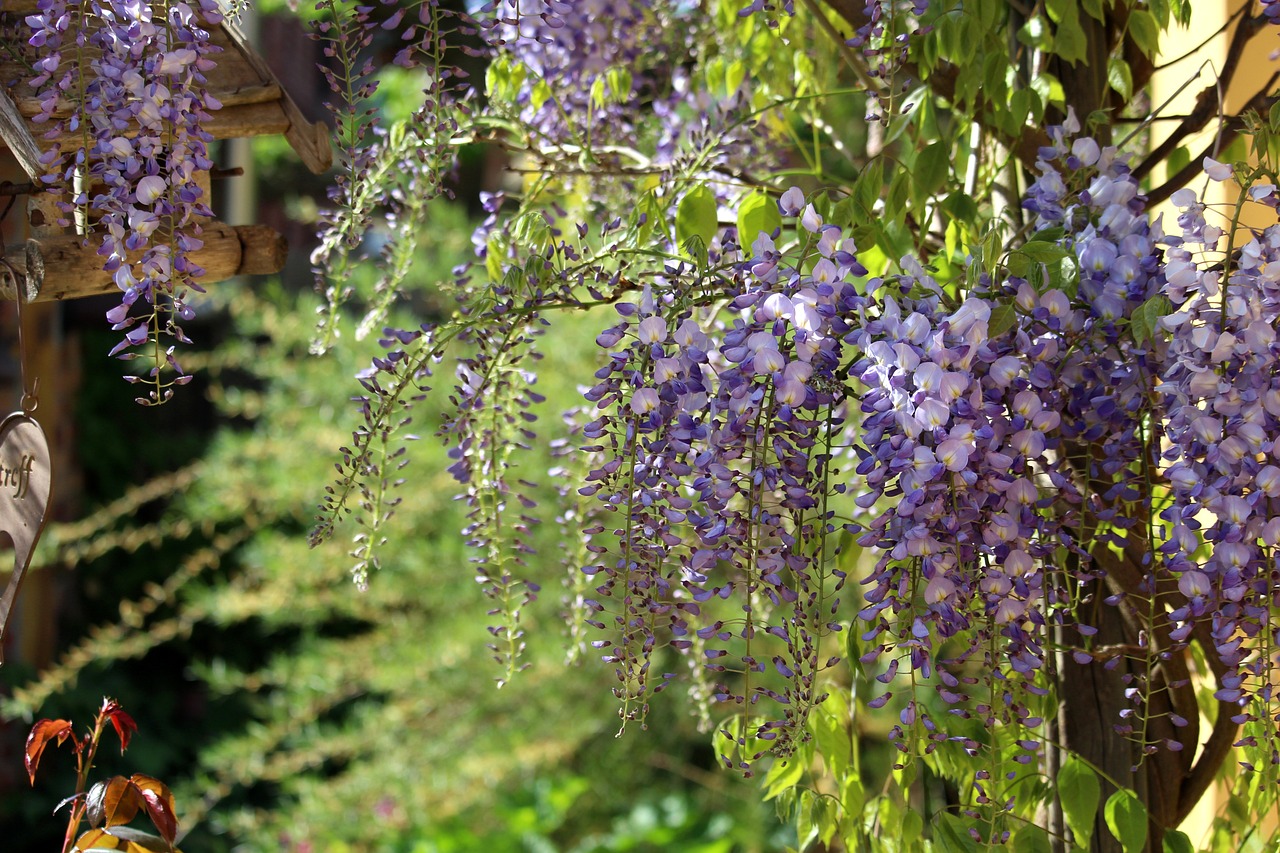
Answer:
(25, 478)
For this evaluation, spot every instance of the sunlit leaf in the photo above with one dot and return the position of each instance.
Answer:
(757, 212)
(696, 216)
(782, 775)
(1080, 791)
(112, 802)
(1126, 817)
(120, 721)
(41, 733)
(158, 800)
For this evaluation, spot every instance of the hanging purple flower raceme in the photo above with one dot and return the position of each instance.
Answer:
(137, 141)
(998, 425)
(956, 432)
(388, 175)
(586, 63)
(713, 441)
(1221, 386)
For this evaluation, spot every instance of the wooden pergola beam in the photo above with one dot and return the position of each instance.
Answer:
(14, 131)
(55, 268)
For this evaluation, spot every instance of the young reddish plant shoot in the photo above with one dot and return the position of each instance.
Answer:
(110, 804)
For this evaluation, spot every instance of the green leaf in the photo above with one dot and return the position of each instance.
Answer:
(1093, 8)
(1019, 111)
(962, 208)
(989, 12)
(1146, 318)
(912, 827)
(952, 835)
(715, 76)
(1043, 252)
(1080, 791)
(869, 185)
(1069, 40)
(833, 742)
(539, 94)
(1160, 11)
(696, 216)
(1177, 842)
(896, 202)
(598, 92)
(1049, 88)
(1145, 31)
(734, 75)
(1179, 159)
(783, 775)
(757, 212)
(995, 76)
(853, 797)
(619, 84)
(1127, 819)
(1030, 839)
(1003, 318)
(1120, 77)
(931, 167)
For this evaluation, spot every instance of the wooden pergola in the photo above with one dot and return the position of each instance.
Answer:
(56, 264)
(59, 265)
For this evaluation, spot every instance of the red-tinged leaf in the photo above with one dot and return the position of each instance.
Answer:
(123, 723)
(41, 733)
(113, 802)
(160, 805)
(96, 839)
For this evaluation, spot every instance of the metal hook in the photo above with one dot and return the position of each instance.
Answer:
(30, 395)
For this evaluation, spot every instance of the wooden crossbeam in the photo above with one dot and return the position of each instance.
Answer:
(60, 267)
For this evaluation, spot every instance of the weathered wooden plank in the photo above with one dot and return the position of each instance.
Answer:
(241, 79)
(259, 94)
(234, 79)
(66, 267)
(234, 122)
(13, 128)
(310, 139)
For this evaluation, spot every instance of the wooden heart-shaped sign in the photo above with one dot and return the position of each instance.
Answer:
(25, 489)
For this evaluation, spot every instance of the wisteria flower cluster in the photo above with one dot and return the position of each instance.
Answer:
(1074, 427)
(713, 444)
(587, 61)
(126, 155)
(1221, 386)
